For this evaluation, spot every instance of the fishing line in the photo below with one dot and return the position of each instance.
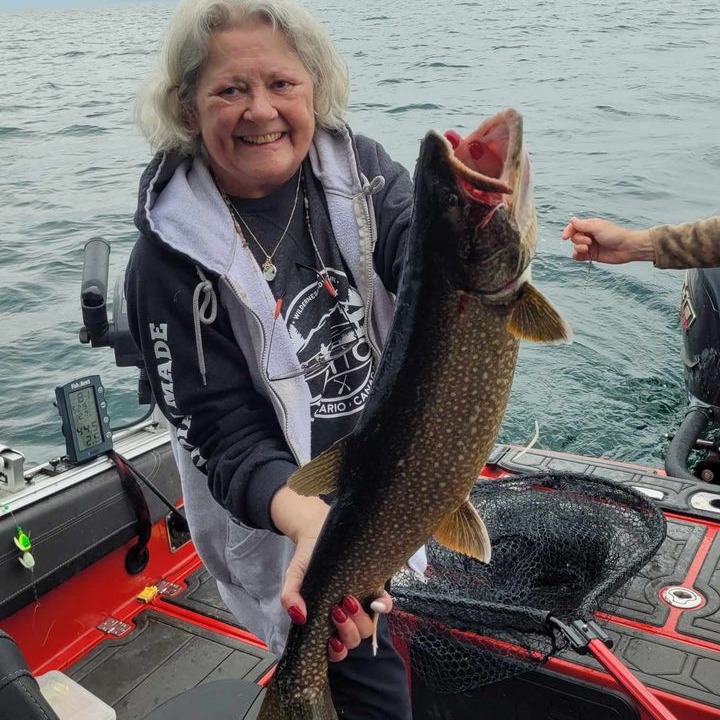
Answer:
(532, 442)
(590, 264)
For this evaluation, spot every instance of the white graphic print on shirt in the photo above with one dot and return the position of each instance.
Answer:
(330, 339)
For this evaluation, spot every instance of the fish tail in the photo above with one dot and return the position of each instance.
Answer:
(311, 705)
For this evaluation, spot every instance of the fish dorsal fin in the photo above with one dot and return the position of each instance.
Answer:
(534, 318)
(465, 532)
(320, 475)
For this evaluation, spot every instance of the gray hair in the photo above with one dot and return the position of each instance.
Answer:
(162, 107)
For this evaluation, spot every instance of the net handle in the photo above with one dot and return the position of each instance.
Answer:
(629, 682)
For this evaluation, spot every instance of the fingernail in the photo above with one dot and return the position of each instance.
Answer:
(336, 644)
(296, 615)
(350, 604)
(378, 606)
(339, 615)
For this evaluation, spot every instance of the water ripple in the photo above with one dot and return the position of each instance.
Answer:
(13, 132)
(413, 106)
(83, 130)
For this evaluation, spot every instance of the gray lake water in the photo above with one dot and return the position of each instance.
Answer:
(621, 105)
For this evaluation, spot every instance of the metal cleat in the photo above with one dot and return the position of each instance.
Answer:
(12, 478)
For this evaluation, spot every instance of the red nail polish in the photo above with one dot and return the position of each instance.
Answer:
(336, 645)
(296, 615)
(350, 604)
(339, 615)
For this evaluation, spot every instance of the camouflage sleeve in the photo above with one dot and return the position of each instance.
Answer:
(695, 244)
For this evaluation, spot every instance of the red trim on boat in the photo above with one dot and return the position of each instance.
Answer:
(61, 627)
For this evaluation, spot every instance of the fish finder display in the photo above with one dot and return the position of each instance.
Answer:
(85, 421)
(86, 418)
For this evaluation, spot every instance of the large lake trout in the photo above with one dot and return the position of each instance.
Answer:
(438, 398)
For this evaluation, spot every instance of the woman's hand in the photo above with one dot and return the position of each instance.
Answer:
(606, 242)
(301, 519)
(354, 624)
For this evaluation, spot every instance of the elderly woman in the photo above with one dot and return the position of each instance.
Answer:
(259, 292)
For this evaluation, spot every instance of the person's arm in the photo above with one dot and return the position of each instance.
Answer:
(230, 430)
(301, 519)
(694, 244)
(604, 241)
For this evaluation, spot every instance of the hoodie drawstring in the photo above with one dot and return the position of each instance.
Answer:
(201, 315)
(374, 186)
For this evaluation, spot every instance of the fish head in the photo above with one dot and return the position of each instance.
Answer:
(477, 193)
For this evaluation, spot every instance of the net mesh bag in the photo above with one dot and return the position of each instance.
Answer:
(562, 545)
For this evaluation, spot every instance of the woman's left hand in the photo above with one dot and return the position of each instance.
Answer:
(353, 624)
(301, 519)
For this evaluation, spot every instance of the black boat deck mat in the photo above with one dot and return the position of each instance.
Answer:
(681, 669)
(639, 600)
(202, 596)
(704, 623)
(162, 657)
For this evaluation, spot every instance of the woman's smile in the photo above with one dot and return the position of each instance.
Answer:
(265, 139)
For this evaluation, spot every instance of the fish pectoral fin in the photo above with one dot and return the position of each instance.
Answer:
(534, 318)
(320, 475)
(465, 532)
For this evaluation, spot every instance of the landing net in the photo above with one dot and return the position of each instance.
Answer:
(562, 546)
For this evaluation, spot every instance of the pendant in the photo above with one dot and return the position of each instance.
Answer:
(269, 271)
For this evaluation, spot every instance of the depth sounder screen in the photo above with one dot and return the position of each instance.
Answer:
(87, 421)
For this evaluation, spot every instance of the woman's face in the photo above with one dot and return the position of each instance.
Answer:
(254, 109)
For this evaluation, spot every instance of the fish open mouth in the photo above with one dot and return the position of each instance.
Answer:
(486, 163)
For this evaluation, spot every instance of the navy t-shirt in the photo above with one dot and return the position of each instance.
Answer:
(327, 330)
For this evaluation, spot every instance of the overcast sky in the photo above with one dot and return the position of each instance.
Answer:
(31, 4)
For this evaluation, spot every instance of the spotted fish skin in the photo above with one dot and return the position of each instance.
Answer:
(438, 397)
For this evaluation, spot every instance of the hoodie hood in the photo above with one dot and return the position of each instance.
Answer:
(180, 205)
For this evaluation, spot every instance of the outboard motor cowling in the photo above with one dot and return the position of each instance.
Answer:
(700, 320)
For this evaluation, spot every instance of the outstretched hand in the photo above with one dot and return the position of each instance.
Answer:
(301, 519)
(604, 241)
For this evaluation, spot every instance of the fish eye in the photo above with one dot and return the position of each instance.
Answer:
(452, 200)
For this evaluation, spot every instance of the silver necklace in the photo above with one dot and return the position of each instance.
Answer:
(269, 270)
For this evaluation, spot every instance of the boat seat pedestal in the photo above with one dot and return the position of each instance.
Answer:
(216, 700)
